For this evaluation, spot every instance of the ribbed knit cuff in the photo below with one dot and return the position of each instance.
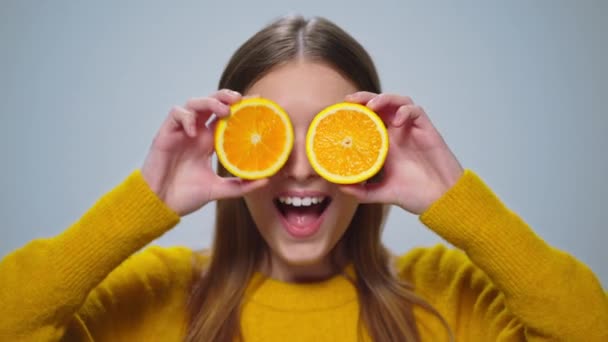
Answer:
(471, 217)
(119, 224)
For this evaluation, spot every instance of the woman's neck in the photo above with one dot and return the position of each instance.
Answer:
(279, 269)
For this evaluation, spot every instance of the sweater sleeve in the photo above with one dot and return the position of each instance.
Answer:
(44, 283)
(508, 283)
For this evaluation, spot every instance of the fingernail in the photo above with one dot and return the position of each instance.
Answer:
(234, 92)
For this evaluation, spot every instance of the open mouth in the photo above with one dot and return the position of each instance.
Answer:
(302, 214)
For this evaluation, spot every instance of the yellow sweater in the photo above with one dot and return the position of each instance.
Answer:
(503, 283)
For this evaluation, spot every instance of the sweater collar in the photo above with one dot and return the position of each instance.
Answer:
(323, 295)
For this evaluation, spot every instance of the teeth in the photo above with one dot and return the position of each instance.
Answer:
(301, 201)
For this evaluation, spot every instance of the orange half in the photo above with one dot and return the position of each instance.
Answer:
(347, 143)
(255, 140)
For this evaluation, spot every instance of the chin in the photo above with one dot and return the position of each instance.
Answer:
(302, 255)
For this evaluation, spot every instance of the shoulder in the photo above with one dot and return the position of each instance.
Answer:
(452, 284)
(438, 256)
(169, 263)
(155, 274)
(438, 269)
(160, 268)
(155, 279)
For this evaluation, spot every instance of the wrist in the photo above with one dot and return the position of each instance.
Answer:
(433, 193)
(152, 183)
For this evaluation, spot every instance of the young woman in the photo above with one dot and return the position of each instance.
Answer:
(258, 282)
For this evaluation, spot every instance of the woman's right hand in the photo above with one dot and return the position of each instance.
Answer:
(178, 167)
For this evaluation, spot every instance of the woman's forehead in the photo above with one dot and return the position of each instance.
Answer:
(303, 89)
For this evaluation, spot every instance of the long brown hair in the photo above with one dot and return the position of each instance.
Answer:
(386, 302)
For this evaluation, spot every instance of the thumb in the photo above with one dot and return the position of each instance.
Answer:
(235, 187)
(364, 193)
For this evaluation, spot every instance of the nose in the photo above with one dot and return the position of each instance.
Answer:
(298, 167)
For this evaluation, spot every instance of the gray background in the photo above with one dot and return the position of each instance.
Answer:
(517, 89)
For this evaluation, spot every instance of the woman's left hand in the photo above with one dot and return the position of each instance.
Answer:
(419, 167)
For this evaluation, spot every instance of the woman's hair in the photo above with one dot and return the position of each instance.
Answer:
(218, 288)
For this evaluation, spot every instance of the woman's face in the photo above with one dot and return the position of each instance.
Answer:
(299, 214)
